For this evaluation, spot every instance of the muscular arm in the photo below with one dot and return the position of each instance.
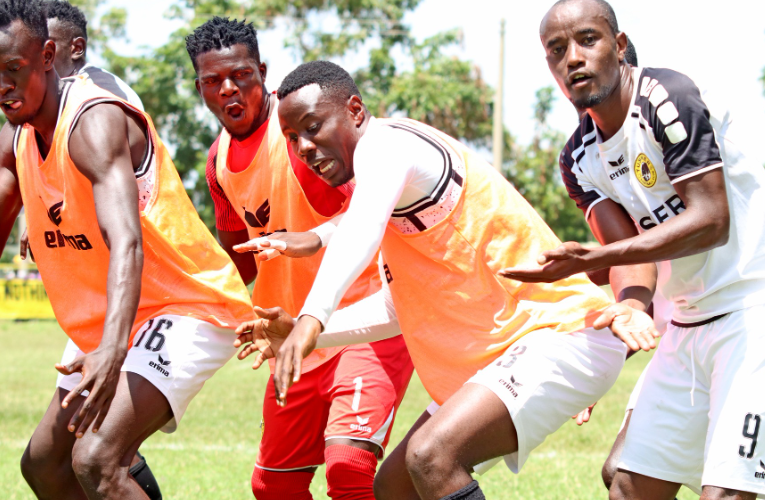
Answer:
(106, 161)
(244, 262)
(635, 284)
(10, 194)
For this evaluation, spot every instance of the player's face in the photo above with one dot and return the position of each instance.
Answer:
(230, 82)
(322, 131)
(582, 53)
(24, 67)
(58, 32)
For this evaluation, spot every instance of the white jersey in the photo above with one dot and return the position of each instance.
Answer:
(672, 133)
(112, 83)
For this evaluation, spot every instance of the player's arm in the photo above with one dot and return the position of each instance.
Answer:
(105, 160)
(694, 165)
(10, 194)
(292, 244)
(230, 227)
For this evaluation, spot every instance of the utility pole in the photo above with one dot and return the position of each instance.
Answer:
(497, 132)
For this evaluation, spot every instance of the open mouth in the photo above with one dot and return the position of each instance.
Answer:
(12, 105)
(324, 166)
(235, 110)
(579, 80)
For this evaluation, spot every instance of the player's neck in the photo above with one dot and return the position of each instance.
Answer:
(78, 66)
(609, 115)
(47, 117)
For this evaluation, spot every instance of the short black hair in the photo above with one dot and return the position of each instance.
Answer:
(608, 12)
(29, 12)
(330, 77)
(222, 32)
(631, 54)
(68, 13)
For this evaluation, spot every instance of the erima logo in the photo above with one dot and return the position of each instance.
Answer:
(619, 172)
(160, 365)
(510, 386)
(54, 213)
(760, 474)
(362, 425)
(261, 217)
(617, 162)
(56, 239)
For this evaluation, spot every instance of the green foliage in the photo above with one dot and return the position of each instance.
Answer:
(534, 171)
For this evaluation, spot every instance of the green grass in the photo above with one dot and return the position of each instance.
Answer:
(212, 453)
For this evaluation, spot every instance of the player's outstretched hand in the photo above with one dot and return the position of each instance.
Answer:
(569, 258)
(100, 374)
(24, 247)
(635, 328)
(263, 335)
(584, 416)
(289, 358)
(294, 245)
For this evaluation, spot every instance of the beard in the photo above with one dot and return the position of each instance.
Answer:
(593, 99)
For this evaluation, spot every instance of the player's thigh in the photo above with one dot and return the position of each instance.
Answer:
(293, 436)
(51, 443)
(137, 410)
(735, 453)
(393, 481)
(365, 389)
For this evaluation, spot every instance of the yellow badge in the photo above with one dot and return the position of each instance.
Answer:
(262, 428)
(644, 171)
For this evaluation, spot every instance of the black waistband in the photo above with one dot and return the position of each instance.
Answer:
(698, 323)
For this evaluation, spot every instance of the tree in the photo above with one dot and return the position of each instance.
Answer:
(440, 90)
(534, 171)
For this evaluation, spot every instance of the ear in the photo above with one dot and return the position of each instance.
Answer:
(79, 45)
(49, 54)
(357, 109)
(621, 45)
(263, 70)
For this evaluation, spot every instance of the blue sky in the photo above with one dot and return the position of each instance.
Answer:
(721, 45)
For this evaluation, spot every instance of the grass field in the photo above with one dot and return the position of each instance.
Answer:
(212, 453)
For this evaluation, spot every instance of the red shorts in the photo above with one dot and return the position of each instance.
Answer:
(355, 395)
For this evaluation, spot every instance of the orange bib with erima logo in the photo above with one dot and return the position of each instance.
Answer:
(268, 197)
(456, 314)
(185, 272)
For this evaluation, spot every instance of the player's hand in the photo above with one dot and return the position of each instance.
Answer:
(635, 328)
(24, 246)
(294, 245)
(264, 335)
(584, 416)
(569, 258)
(289, 358)
(100, 374)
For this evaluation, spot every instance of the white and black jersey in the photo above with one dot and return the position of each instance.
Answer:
(112, 83)
(672, 133)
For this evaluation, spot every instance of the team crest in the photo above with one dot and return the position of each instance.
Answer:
(644, 171)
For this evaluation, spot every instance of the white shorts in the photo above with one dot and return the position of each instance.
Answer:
(177, 354)
(546, 377)
(698, 418)
(635, 393)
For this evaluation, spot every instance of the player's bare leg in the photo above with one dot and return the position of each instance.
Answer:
(47, 461)
(100, 461)
(631, 486)
(393, 481)
(715, 493)
(471, 427)
(609, 470)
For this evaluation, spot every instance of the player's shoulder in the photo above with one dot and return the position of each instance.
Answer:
(575, 149)
(659, 86)
(8, 137)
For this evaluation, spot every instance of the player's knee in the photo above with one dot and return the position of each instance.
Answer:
(619, 487)
(350, 472)
(425, 457)
(608, 472)
(93, 463)
(273, 485)
(38, 469)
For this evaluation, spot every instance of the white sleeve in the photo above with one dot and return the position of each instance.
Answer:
(380, 180)
(368, 320)
(326, 230)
